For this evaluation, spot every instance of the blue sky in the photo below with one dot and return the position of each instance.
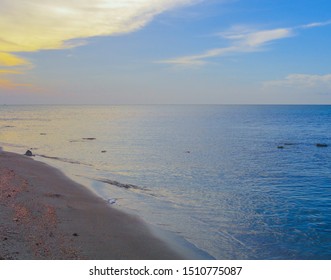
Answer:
(166, 51)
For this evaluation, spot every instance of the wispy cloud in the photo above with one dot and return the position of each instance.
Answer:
(314, 24)
(6, 72)
(10, 85)
(300, 87)
(302, 82)
(249, 38)
(241, 40)
(200, 59)
(34, 25)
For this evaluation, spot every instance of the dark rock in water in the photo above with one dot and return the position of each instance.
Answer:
(280, 147)
(89, 138)
(321, 145)
(28, 153)
(75, 234)
(187, 152)
(120, 185)
(104, 151)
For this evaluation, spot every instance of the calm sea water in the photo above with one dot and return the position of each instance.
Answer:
(211, 174)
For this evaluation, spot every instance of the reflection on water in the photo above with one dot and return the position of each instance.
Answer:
(213, 174)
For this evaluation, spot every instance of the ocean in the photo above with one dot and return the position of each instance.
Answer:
(237, 182)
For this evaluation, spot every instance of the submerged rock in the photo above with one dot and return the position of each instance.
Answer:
(28, 153)
(89, 138)
(280, 147)
(321, 145)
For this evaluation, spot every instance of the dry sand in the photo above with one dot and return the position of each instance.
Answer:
(45, 215)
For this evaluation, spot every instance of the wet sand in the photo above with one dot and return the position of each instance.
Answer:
(45, 215)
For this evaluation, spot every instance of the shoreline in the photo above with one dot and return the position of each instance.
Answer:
(45, 215)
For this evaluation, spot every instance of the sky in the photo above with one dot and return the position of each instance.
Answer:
(165, 52)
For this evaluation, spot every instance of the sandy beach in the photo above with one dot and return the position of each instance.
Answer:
(45, 215)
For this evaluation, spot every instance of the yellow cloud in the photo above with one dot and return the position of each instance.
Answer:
(34, 25)
(6, 72)
(7, 59)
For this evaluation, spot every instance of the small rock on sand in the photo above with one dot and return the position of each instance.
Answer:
(28, 153)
